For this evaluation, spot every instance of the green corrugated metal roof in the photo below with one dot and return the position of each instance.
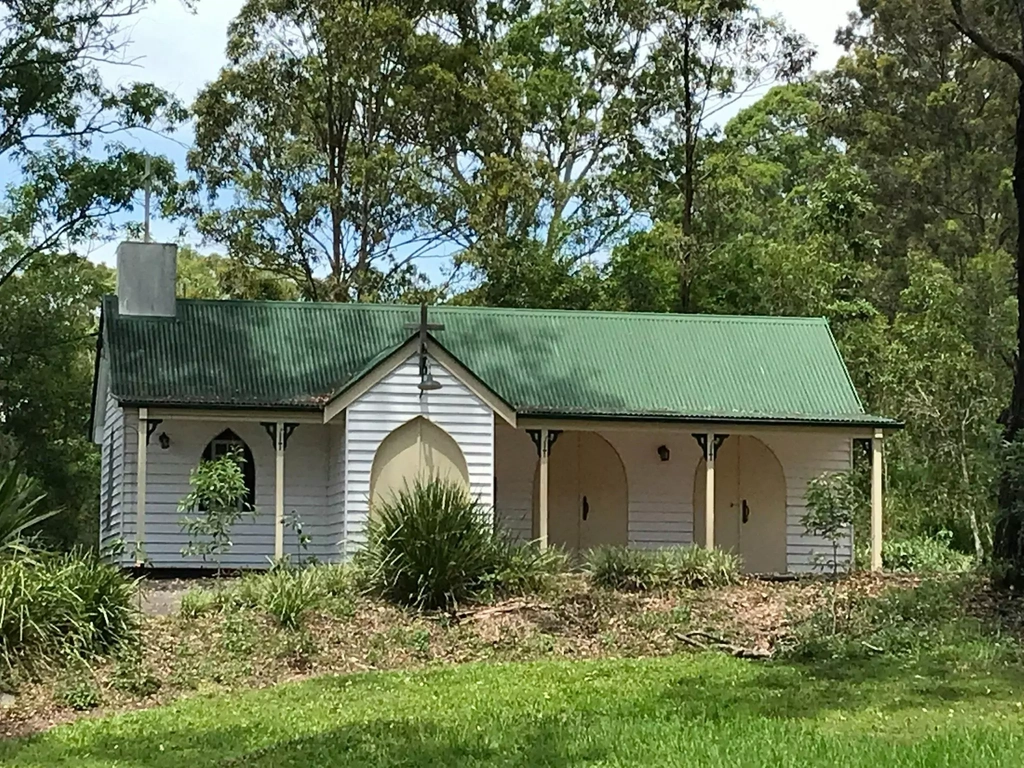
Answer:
(542, 362)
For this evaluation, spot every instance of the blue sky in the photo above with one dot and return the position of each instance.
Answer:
(181, 52)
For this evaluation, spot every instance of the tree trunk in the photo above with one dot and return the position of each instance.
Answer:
(972, 512)
(1007, 537)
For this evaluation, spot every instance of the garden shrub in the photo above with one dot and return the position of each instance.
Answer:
(197, 602)
(335, 581)
(526, 569)
(55, 605)
(429, 546)
(287, 594)
(637, 570)
(925, 554)
(695, 567)
(631, 570)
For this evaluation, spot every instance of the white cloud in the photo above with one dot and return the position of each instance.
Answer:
(818, 20)
(178, 50)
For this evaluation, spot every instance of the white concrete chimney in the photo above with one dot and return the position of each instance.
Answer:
(146, 278)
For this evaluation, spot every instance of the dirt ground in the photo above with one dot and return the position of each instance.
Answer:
(237, 648)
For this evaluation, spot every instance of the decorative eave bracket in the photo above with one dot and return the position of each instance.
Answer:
(151, 425)
(702, 441)
(271, 429)
(535, 436)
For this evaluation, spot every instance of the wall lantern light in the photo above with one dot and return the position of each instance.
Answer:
(165, 441)
(664, 453)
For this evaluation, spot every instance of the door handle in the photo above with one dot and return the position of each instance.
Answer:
(746, 511)
(586, 508)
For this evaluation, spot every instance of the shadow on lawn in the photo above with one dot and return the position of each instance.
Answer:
(400, 743)
(380, 743)
(793, 690)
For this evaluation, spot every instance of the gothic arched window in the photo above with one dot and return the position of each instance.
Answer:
(223, 444)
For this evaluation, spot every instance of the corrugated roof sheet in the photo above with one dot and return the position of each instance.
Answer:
(542, 362)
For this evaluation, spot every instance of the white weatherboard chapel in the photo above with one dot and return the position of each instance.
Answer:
(579, 429)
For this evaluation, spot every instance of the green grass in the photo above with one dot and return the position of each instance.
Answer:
(699, 711)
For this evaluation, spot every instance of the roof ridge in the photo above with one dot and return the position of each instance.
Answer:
(533, 311)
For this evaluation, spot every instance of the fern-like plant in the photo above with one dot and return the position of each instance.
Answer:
(20, 504)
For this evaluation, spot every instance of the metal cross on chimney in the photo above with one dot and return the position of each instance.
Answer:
(424, 326)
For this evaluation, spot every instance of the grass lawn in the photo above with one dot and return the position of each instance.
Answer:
(693, 711)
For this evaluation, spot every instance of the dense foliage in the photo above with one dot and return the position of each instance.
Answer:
(925, 554)
(59, 606)
(638, 570)
(67, 169)
(20, 505)
(938, 617)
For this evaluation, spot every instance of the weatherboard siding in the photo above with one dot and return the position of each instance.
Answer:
(112, 471)
(336, 489)
(515, 460)
(804, 457)
(327, 475)
(392, 402)
(126, 503)
(660, 494)
(306, 485)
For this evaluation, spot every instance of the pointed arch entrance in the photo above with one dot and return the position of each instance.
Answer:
(750, 504)
(417, 450)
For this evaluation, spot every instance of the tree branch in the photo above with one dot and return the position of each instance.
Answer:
(972, 33)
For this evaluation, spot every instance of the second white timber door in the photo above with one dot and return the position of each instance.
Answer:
(750, 504)
(587, 497)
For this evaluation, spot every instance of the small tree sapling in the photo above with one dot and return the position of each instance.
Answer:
(217, 501)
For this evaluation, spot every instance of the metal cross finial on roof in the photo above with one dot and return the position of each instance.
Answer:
(424, 326)
(147, 185)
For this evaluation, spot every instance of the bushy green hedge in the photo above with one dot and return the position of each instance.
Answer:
(57, 605)
(432, 546)
(638, 570)
(285, 593)
(925, 554)
(930, 616)
(526, 569)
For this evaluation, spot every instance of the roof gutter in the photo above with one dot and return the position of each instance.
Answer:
(177, 404)
(891, 424)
